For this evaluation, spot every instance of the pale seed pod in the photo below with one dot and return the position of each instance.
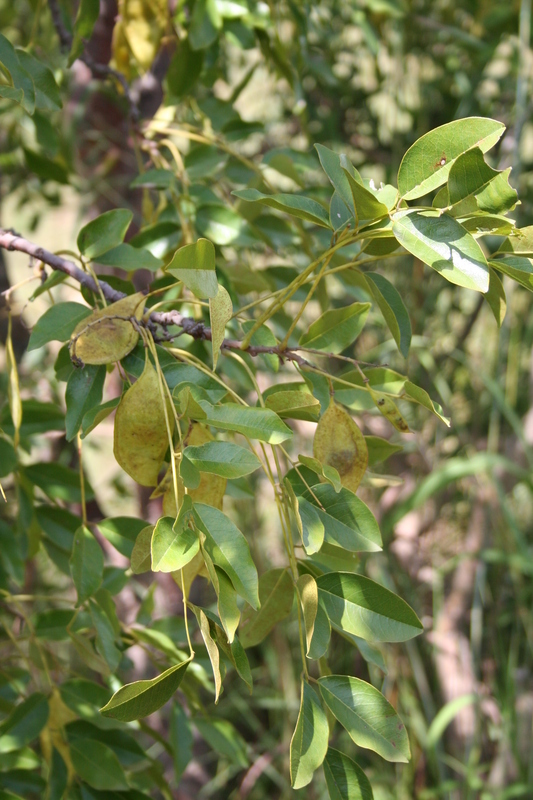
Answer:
(107, 335)
(339, 443)
(389, 409)
(141, 438)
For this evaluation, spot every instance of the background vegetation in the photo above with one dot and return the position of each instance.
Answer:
(244, 87)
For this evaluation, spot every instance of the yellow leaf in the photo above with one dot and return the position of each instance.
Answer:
(141, 438)
(220, 311)
(108, 334)
(340, 444)
(144, 24)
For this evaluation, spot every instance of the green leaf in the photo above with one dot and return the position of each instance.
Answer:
(363, 607)
(220, 313)
(154, 179)
(443, 244)
(330, 474)
(129, 258)
(367, 716)
(474, 186)
(52, 624)
(57, 324)
(206, 23)
(347, 521)
(88, 11)
(254, 423)
(84, 390)
(420, 396)
(321, 633)
(345, 779)
(22, 81)
(45, 168)
(104, 233)
(211, 647)
(519, 268)
(141, 555)
(97, 765)
(293, 204)
(8, 458)
(519, 244)
(336, 329)
(223, 226)
(92, 418)
(222, 737)
(24, 724)
(223, 458)
(174, 544)
(181, 739)
(292, 401)
(229, 550)
(367, 206)
(312, 526)
(334, 167)
(142, 698)
(276, 594)
(380, 449)
(309, 742)
(228, 609)
(427, 163)
(194, 264)
(122, 532)
(105, 635)
(393, 309)
(86, 564)
(495, 297)
(46, 89)
(308, 594)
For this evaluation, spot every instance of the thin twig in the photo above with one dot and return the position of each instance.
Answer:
(10, 240)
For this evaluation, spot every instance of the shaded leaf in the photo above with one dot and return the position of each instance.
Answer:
(194, 264)
(105, 232)
(344, 778)
(293, 204)
(276, 594)
(86, 564)
(336, 329)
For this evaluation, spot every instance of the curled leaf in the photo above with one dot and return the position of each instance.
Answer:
(340, 444)
(109, 333)
(141, 438)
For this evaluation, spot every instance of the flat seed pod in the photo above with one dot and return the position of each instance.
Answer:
(340, 444)
(140, 436)
(389, 409)
(212, 487)
(107, 335)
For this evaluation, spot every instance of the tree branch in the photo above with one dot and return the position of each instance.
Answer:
(10, 240)
(98, 70)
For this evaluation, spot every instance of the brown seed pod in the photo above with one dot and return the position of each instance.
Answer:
(339, 443)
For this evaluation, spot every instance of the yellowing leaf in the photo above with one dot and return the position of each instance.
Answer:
(220, 311)
(212, 487)
(141, 436)
(108, 334)
(340, 444)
